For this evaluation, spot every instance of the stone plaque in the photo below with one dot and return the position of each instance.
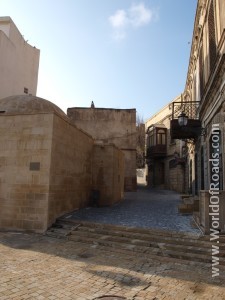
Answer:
(35, 166)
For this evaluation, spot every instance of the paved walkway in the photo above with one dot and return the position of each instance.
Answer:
(39, 267)
(147, 208)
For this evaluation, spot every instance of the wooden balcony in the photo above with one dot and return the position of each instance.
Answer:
(191, 131)
(156, 151)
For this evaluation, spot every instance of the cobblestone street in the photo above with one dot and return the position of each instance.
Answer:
(148, 208)
(39, 267)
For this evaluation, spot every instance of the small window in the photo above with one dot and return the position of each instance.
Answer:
(26, 90)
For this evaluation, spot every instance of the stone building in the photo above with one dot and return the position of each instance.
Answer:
(117, 126)
(199, 117)
(19, 62)
(164, 155)
(49, 167)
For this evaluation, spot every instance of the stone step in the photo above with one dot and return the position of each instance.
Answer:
(178, 263)
(158, 232)
(60, 230)
(185, 208)
(163, 251)
(150, 242)
(56, 233)
(168, 244)
(147, 237)
(144, 232)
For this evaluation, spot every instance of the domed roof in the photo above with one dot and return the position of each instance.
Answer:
(28, 104)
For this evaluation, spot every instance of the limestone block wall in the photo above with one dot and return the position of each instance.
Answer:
(25, 143)
(108, 173)
(130, 179)
(117, 126)
(206, 220)
(176, 182)
(71, 169)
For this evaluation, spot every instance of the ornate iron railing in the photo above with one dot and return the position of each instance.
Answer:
(190, 108)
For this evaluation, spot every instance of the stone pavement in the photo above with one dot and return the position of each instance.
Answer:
(148, 208)
(39, 267)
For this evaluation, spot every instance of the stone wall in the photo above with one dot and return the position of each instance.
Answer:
(25, 144)
(208, 215)
(71, 169)
(45, 170)
(108, 173)
(49, 167)
(176, 176)
(117, 126)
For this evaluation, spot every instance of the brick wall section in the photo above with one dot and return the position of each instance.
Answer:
(108, 173)
(23, 192)
(71, 169)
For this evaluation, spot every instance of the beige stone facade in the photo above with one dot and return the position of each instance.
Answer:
(165, 164)
(108, 173)
(117, 126)
(203, 103)
(206, 83)
(19, 62)
(48, 166)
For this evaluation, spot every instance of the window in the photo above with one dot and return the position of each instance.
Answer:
(161, 137)
(156, 136)
(151, 139)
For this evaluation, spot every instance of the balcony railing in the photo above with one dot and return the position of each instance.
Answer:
(190, 108)
(156, 151)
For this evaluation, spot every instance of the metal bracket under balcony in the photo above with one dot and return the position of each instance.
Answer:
(192, 130)
(193, 127)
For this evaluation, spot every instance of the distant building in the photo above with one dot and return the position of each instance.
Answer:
(109, 125)
(164, 156)
(19, 61)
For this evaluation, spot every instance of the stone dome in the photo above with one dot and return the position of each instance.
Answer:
(28, 104)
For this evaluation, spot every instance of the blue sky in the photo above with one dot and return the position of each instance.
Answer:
(118, 53)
